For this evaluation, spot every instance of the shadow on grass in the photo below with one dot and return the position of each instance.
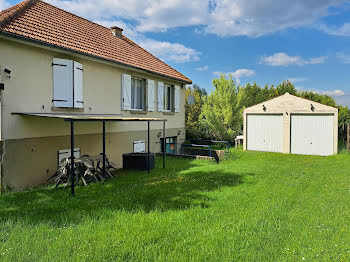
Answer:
(181, 185)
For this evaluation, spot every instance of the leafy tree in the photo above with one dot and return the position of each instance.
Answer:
(319, 98)
(344, 115)
(220, 110)
(193, 111)
(285, 87)
(251, 94)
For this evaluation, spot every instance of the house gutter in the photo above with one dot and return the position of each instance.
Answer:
(23, 38)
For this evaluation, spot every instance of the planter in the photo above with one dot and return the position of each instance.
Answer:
(217, 154)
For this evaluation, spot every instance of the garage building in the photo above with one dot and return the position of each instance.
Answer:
(290, 124)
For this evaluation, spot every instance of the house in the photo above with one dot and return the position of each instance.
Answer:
(290, 124)
(54, 62)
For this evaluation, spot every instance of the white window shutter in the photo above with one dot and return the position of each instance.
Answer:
(78, 85)
(160, 96)
(150, 95)
(126, 92)
(62, 83)
(177, 99)
(143, 146)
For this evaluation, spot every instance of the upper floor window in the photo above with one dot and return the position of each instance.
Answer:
(67, 83)
(169, 98)
(138, 94)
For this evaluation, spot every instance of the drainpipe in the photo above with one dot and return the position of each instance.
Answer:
(3, 142)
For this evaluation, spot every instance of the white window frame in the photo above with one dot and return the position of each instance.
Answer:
(135, 95)
(165, 100)
(139, 146)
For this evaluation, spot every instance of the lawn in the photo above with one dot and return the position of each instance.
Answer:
(250, 207)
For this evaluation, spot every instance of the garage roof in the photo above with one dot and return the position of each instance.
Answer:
(288, 101)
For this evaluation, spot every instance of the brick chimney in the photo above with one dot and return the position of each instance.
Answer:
(117, 31)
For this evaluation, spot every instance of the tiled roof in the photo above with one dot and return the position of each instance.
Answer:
(41, 22)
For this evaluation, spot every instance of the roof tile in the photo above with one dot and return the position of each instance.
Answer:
(40, 21)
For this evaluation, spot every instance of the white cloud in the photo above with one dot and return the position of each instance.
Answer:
(317, 60)
(242, 73)
(171, 52)
(334, 93)
(282, 59)
(343, 100)
(203, 68)
(149, 15)
(252, 18)
(3, 4)
(343, 30)
(238, 74)
(344, 57)
(255, 18)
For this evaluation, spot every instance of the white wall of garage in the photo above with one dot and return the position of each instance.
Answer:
(308, 127)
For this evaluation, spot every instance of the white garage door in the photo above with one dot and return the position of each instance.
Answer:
(265, 133)
(312, 134)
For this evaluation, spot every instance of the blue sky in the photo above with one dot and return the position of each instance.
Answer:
(267, 41)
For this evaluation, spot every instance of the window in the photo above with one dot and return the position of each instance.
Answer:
(168, 98)
(66, 153)
(67, 83)
(170, 145)
(140, 146)
(138, 94)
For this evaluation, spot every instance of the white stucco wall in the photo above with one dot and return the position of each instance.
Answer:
(30, 90)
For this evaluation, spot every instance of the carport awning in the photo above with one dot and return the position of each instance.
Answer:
(90, 117)
(99, 118)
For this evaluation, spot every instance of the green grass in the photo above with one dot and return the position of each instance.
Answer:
(250, 207)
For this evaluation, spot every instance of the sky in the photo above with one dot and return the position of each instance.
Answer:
(263, 41)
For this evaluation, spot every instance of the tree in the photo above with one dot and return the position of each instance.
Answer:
(319, 98)
(249, 95)
(194, 128)
(220, 110)
(344, 115)
(285, 87)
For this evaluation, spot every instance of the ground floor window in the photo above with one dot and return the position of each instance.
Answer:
(140, 146)
(170, 145)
